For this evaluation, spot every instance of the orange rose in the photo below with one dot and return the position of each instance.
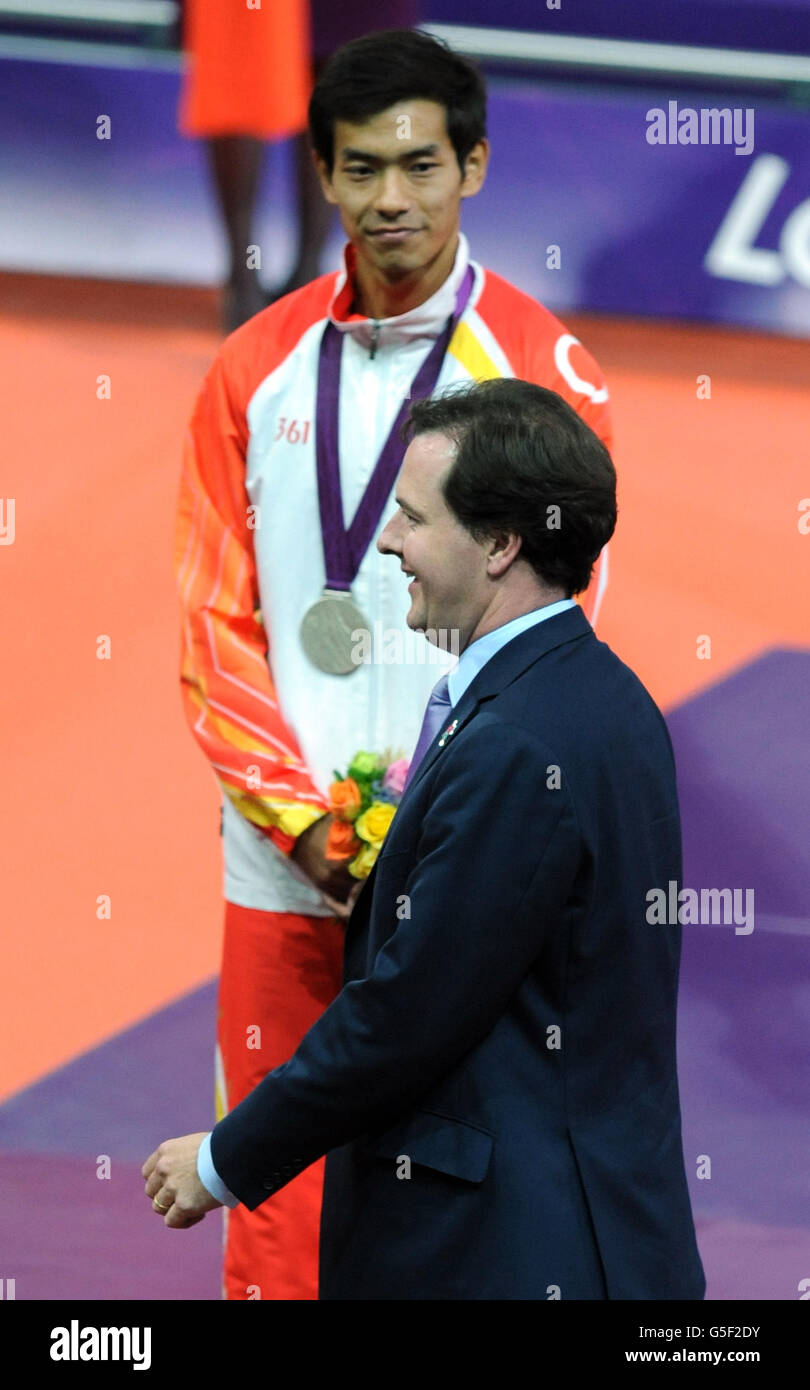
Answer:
(345, 799)
(341, 843)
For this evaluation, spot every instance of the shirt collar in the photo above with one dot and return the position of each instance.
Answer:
(475, 657)
(425, 321)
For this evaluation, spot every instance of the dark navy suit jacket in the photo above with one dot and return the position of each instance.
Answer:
(495, 1085)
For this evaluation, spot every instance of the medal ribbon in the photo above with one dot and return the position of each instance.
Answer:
(343, 550)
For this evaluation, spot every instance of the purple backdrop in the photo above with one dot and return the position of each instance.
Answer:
(771, 25)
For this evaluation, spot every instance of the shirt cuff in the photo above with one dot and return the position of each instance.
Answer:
(209, 1177)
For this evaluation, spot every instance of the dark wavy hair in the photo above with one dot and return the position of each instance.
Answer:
(372, 73)
(525, 463)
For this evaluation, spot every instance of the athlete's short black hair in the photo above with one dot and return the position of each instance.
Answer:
(372, 73)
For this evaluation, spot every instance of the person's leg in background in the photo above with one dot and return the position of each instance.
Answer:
(315, 218)
(247, 81)
(236, 164)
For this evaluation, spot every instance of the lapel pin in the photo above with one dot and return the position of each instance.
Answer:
(448, 733)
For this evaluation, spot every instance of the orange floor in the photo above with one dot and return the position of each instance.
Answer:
(104, 791)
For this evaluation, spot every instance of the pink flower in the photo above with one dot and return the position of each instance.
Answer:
(394, 779)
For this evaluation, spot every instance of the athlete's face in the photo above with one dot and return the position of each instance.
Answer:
(451, 585)
(397, 183)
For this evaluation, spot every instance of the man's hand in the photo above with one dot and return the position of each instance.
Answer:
(330, 876)
(172, 1184)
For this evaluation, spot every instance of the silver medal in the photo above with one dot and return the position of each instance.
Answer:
(331, 630)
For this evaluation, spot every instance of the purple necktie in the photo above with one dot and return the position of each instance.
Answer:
(438, 708)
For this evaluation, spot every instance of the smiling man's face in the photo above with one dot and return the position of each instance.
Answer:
(397, 183)
(451, 588)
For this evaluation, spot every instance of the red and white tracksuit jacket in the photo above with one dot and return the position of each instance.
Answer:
(250, 559)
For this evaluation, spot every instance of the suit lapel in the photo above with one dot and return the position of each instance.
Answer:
(500, 671)
(503, 668)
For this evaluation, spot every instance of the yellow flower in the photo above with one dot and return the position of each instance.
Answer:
(374, 823)
(362, 865)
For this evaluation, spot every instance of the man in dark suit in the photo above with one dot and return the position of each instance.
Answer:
(495, 1086)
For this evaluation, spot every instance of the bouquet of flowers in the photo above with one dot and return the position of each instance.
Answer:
(363, 804)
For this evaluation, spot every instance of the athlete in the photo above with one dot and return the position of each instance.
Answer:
(291, 455)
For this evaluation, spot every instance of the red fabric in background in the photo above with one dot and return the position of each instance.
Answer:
(248, 70)
(280, 972)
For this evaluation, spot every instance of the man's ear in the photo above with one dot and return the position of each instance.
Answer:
(475, 169)
(324, 177)
(504, 548)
